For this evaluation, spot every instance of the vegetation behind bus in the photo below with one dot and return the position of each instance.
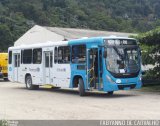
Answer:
(114, 16)
(4, 123)
(150, 45)
(17, 17)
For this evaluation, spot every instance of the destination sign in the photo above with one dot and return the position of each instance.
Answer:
(119, 42)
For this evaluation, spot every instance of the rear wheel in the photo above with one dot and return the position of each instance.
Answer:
(29, 84)
(110, 93)
(81, 87)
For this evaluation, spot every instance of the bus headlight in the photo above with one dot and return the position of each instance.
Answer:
(140, 78)
(118, 81)
(109, 79)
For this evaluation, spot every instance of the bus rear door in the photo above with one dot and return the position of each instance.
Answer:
(48, 64)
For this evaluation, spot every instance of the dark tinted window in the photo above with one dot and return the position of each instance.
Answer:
(10, 57)
(79, 54)
(51, 59)
(21, 56)
(27, 56)
(55, 55)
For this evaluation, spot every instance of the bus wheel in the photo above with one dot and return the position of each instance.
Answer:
(29, 84)
(81, 87)
(5, 79)
(110, 93)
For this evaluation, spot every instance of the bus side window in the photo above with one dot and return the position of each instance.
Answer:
(10, 57)
(27, 56)
(64, 54)
(79, 54)
(60, 51)
(21, 56)
(55, 55)
(37, 56)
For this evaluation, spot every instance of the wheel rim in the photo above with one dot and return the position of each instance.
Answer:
(28, 82)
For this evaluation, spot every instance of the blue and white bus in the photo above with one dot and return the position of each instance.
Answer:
(105, 64)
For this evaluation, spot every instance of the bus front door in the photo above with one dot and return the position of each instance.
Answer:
(48, 57)
(16, 66)
(94, 68)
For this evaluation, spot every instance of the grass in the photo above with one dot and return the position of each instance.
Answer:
(3, 123)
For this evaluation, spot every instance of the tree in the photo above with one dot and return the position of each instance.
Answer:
(111, 15)
(150, 42)
(6, 38)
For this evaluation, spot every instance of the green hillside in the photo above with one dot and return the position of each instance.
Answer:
(17, 16)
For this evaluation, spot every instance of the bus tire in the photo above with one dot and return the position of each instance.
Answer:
(81, 87)
(29, 84)
(110, 93)
(5, 79)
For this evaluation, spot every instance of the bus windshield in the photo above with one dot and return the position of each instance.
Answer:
(122, 58)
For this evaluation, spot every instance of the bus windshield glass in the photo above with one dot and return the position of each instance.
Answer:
(122, 56)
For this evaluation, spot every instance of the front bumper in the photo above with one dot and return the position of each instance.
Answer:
(116, 87)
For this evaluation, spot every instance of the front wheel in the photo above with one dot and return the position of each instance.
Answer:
(81, 87)
(29, 84)
(5, 79)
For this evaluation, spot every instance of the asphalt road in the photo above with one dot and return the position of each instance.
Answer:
(18, 103)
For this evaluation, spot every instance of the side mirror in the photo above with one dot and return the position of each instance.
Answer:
(105, 54)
